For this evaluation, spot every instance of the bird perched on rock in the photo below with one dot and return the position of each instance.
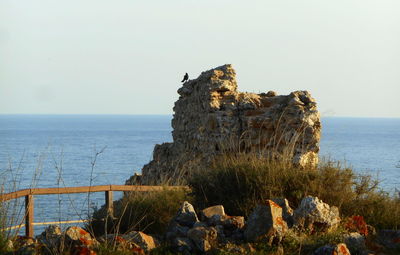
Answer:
(186, 77)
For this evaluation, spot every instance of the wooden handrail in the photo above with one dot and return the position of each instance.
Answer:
(83, 189)
(108, 189)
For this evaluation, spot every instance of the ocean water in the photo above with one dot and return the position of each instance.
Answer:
(60, 151)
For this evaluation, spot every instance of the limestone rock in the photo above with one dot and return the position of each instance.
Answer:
(76, 236)
(287, 211)
(212, 117)
(183, 245)
(228, 222)
(186, 215)
(265, 222)
(339, 249)
(213, 210)
(176, 230)
(204, 238)
(315, 215)
(145, 242)
(355, 241)
(51, 238)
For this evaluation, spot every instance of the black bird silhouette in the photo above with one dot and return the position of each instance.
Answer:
(186, 77)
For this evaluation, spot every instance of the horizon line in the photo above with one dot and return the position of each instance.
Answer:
(162, 114)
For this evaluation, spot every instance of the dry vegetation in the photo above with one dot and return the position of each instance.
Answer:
(240, 182)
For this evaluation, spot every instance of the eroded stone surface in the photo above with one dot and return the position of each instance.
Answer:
(315, 215)
(204, 238)
(212, 117)
(76, 236)
(144, 241)
(265, 222)
(186, 215)
(213, 210)
(287, 211)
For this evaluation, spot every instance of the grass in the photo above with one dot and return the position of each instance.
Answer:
(142, 211)
(241, 181)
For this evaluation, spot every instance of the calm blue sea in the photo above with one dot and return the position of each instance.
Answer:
(59, 150)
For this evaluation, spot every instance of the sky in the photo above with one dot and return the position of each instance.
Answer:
(129, 56)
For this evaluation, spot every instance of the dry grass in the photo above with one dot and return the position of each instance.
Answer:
(142, 211)
(241, 181)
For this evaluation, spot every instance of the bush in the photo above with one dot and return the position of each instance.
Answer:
(142, 211)
(241, 181)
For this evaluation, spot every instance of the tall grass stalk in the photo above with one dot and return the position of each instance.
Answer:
(241, 181)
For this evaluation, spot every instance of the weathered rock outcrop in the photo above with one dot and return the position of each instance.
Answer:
(212, 117)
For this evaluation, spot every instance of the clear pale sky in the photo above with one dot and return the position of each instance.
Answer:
(128, 56)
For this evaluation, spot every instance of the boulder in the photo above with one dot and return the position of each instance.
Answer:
(315, 215)
(186, 215)
(78, 237)
(339, 249)
(145, 242)
(183, 245)
(287, 211)
(51, 238)
(265, 222)
(211, 211)
(204, 238)
(355, 241)
(26, 246)
(229, 222)
(176, 230)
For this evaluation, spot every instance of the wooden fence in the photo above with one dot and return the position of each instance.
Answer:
(108, 189)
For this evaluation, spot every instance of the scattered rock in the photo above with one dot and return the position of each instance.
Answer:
(213, 210)
(315, 215)
(186, 215)
(76, 236)
(204, 238)
(355, 241)
(9, 245)
(176, 230)
(229, 222)
(287, 211)
(51, 238)
(145, 242)
(265, 222)
(339, 249)
(183, 245)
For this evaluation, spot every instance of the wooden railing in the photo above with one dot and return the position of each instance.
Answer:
(108, 189)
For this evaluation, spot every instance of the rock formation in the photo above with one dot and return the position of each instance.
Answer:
(212, 117)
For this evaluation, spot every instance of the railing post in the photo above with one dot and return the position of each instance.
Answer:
(29, 211)
(109, 203)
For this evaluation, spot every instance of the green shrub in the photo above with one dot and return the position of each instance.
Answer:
(241, 181)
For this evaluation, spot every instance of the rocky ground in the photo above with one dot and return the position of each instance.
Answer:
(211, 231)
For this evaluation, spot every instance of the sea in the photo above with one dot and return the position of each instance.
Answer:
(85, 150)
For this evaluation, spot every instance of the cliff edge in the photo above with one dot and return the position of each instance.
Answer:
(212, 117)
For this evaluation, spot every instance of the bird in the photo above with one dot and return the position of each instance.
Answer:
(186, 77)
